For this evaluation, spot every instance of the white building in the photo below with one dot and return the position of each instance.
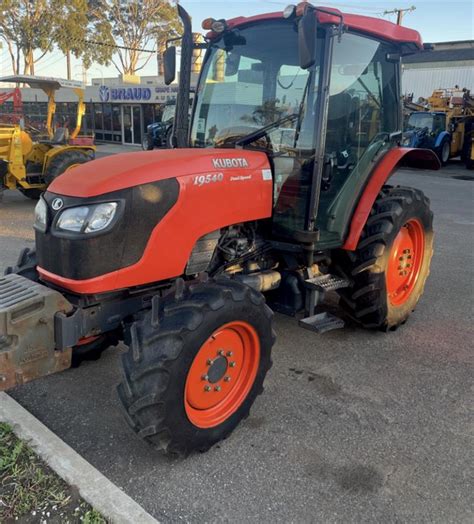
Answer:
(448, 65)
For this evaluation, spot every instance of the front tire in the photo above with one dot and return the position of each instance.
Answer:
(444, 151)
(147, 142)
(392, 261)
(63, 162)
(189, 382)
(169, 138)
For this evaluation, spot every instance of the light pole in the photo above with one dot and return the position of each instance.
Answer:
(83, 73)
(101, 73)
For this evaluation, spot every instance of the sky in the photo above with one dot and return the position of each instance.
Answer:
(436, 20)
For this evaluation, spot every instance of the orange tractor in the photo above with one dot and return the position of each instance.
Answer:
(274, 196)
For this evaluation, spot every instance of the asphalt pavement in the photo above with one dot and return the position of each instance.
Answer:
(353, 426)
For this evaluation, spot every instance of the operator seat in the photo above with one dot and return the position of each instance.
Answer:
(339, 114)
(60, 137)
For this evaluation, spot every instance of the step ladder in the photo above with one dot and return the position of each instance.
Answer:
(316, 289)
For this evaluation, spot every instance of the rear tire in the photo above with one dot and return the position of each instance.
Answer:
(167, 401)
(444, 151)
(64, 161)
(390, 266)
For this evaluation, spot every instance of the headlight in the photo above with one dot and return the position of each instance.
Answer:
(73, 219)
(87, 219)
(41, 215)
(101, 217)
(406, 142)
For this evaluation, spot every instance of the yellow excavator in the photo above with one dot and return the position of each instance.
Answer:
(29, 162)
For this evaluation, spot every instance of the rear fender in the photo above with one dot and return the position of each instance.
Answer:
(393, 160)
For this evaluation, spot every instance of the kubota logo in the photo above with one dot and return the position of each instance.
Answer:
(224, 163)
(57, 204)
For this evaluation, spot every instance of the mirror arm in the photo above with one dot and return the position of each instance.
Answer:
(340, 27)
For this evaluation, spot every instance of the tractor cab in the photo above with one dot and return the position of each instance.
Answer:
(315, 91)
(31, 157)
(432, 122)
(423, 129)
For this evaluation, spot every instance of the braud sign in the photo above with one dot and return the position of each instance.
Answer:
(114, 94)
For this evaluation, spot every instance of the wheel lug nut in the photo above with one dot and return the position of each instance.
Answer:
(207, 388)
(227, 379)
(209, 362)
(221, 352)
(217, 388)
(229, 353)
(205, 377)
(232, 364)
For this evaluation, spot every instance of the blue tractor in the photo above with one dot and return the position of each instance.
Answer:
(159, 134)
(428, 130)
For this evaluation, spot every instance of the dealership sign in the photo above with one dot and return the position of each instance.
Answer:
(107, 94)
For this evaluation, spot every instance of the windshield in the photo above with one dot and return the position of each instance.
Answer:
(420, 121)
(251, 79)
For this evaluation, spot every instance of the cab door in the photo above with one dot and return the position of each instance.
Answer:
(364, 110)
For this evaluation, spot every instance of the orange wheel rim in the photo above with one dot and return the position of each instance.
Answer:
(86, 340)
(222, 374)
(404, 265)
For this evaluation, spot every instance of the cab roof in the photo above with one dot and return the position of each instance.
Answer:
(376, 27)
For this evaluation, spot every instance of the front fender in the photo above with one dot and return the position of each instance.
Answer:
(440, 138)
(394, 159)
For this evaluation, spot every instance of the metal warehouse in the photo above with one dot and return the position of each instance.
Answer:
(447, 65)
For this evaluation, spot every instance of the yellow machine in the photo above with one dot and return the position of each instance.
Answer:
(458, 106)
(30, 165)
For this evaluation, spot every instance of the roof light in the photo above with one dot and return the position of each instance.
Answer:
(301, 8)
(218, 26)
(289, 11)
(207, 24)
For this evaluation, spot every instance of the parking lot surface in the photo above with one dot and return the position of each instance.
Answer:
(353, 426)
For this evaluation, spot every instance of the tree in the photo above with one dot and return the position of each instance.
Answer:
(81, 34)
(135, 26)
(29, 26)
(26, 25)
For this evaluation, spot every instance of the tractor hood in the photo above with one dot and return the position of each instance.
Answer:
(125, 170)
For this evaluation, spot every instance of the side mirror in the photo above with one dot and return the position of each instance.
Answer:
(307, 29)
(232, 64)
(169, 64)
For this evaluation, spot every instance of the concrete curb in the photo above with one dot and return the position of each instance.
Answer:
(94, 488)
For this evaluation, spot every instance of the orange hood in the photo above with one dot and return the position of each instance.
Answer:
(124, 170)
